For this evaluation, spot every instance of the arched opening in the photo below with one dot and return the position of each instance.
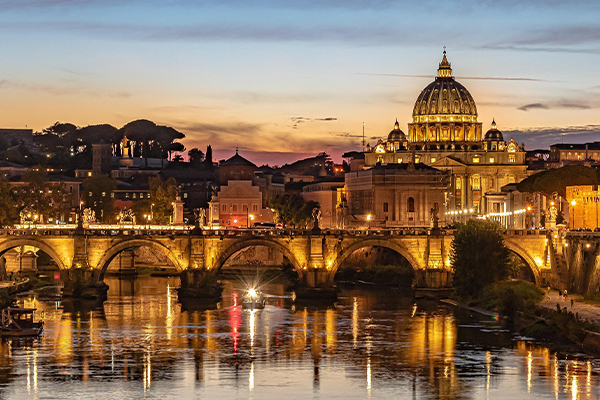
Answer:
(122, 256)
(375, 261)
(525, 266)
(29, 256)
(261, 264)
(522, 270)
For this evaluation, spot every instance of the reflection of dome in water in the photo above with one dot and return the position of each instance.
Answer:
(444, 96)
(396, 135)
(494, 133)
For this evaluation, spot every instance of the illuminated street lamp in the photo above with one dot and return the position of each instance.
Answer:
(369, 221)
(573, 203)
(251, 219)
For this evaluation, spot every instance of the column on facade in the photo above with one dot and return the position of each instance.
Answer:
(396, 206)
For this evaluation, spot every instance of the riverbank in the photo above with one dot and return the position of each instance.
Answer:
(544, 317)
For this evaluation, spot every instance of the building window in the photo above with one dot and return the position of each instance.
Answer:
(511, 179)
(126, 195)
(433, 159)
(475, 160)
(89, 174)
(148, 196)
(400, 161)
(134, 196)
(254, 207)
(491, 160)
(476, 182)
(458, 183)
(89, 194)
(385, 207)
(103, 194)
(244, 207)
(411, 204)
(234, 207)
(112, 195)
(185, 195)
(511, 158)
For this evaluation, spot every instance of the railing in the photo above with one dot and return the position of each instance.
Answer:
(150, 230)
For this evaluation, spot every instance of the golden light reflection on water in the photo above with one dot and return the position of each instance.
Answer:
(142, 337)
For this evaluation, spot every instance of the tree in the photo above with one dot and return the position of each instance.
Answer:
(478, 256)
(9, 212)
(208, 159)
(557, 180)
(196, 157)
(97, 195)
(163, 194)
(293, 210)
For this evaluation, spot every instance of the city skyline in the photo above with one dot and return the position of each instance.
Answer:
(297, 79)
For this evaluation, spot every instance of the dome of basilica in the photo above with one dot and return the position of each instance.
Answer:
(494, 133)
(396, 135)
(445, 96)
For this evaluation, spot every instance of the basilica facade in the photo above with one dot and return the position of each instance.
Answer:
(445, 134)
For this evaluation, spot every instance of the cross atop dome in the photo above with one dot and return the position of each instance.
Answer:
(444, 71)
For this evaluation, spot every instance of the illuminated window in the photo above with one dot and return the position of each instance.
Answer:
(511, 158)
(475, 160)
(148, 196)
(458, 183)
(511, 179)
(135, 196)
(185, 195)
(103, 194)
(89, 194)
(417, 159)
(492, 160)
(89, 174)
(411, 204)
(433, 159)
(400, 161)
(126, 195)
(476, 184)
(112, 195)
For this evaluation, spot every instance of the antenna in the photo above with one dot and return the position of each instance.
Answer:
(363, 138)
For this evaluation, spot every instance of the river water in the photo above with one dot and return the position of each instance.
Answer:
(141, 343)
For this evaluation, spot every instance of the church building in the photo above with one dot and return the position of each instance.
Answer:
(445, 134)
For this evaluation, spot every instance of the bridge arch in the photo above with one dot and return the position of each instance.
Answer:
(521, 252)
(37, 243)
(243, 243)
(390, 244)
(112, 252)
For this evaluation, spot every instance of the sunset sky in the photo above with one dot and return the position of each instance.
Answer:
(298, 77)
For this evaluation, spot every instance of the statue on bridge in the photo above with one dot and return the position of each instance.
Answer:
(316, 215)
(435, 229)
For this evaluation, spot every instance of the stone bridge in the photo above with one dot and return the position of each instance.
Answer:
(316, 257)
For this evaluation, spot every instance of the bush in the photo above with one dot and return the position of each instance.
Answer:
(507, 298)
(5, 299)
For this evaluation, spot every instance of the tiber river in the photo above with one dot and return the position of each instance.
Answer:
(140, 343)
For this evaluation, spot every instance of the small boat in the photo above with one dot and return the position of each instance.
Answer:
(18, 322)
(253, 300)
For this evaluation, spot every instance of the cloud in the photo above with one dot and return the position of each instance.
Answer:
(62, 90)
(544, 137)
(558, 104)
(485, 78)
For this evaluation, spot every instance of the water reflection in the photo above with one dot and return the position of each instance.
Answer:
(140, 342)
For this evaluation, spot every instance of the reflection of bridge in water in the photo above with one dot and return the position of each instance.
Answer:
(315, 256)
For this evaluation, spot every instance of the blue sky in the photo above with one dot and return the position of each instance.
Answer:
(297, 77)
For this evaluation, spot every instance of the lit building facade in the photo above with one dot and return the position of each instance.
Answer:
(584, 203)
(445, 134)
(395, 195)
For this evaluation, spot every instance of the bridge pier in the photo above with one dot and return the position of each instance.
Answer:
(199, 284)
(82, 281)
(316, 283)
